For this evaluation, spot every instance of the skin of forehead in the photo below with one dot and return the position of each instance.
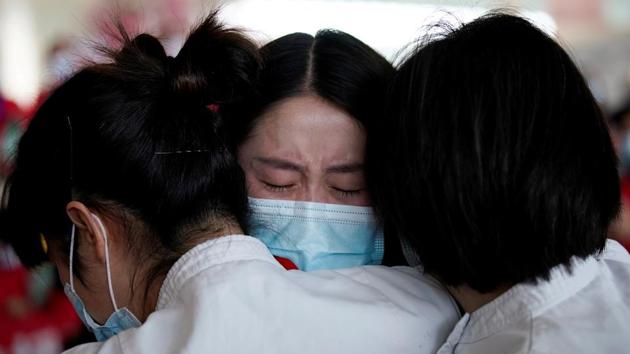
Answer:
(309, 131)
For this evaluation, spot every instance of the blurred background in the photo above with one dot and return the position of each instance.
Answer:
(44, 41)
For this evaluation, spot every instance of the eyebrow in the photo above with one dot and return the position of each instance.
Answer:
(346, 168)
(280, 164)
(291, 166)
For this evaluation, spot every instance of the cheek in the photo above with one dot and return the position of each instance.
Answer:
(358, 199)
(364, 200)
(250, 179)
(255, 188)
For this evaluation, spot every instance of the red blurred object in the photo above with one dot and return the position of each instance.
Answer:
(25, 327)
(9, 111)
(213, 107)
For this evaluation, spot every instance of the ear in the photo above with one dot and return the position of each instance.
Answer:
(88, 230)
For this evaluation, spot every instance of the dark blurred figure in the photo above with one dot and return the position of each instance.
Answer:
(620, 124)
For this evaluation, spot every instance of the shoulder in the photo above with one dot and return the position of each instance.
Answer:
(391, 280)
(402, 294)
(110, 346)
(400, 286)
(615, 254)
(613, 282)
(594, 319)
(239, 305)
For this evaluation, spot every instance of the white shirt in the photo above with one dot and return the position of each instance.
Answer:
(586, 311)
(229, 295)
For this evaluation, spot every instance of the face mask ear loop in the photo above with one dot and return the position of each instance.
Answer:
(109, 273)
(72, 256)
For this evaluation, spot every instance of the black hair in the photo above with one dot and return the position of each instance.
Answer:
(333, 65)
(496, 164)
(140, 138)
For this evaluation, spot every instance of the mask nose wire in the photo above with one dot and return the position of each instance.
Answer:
(109, 272)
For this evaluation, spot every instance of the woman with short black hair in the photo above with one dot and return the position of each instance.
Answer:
(496, 166)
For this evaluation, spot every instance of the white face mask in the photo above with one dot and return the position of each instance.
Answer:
(120, 320)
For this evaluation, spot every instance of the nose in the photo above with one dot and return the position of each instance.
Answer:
(317, 193)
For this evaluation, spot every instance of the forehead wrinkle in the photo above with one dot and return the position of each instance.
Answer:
(280, 164)
(311, 132)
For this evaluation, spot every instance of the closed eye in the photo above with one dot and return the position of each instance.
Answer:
(277, 187)
(347, 193)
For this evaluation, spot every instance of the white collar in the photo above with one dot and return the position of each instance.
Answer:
(207, 254)
(527, 300)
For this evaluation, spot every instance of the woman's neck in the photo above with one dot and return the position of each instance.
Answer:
(149, 302)
(152, 295)
(230, 229)
(471, 300)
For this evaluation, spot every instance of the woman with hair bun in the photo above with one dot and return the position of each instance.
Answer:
(126, 182)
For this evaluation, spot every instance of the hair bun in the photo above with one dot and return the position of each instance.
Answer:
(143, 50)
(149, 45)
(216, 65)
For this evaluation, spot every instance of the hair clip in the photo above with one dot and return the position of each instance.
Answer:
(180, 152)
(213, 107)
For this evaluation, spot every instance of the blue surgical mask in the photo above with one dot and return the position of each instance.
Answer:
(317, 235)
(120, 320)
